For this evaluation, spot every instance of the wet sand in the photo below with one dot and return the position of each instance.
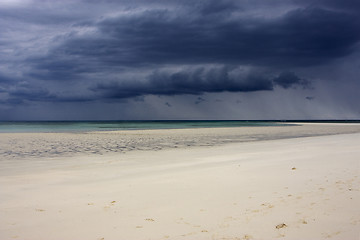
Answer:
(297, 182)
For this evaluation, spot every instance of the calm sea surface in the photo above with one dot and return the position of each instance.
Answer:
(86, 126)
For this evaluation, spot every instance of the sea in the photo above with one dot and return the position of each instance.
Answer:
(89, 126)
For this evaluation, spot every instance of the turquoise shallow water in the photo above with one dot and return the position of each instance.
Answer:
(88, 126)
(80, 126)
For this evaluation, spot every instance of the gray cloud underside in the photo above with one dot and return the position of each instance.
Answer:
(188, 81)
(160, 39)
(197, 81)
(302, 37)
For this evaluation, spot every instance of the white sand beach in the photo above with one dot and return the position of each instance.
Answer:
(298, 182)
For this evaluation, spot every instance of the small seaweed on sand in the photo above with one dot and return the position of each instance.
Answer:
(281, 225)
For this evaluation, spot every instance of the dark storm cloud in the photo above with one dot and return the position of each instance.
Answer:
(310, 98)
(208, 33)
(190, 81)
(37, 16)
(31, 94)
(196, 82)
(57, 69)
(214, 7)
(289, 79)
(5, 80)
(24, 93)
(199, 100)
(77, 51)
(347, 5)
(301, 37)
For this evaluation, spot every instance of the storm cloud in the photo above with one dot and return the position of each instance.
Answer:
(299, 38)
(87, 51)
(289, 79)
(196, 82)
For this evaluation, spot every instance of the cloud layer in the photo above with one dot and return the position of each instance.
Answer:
(86, 51)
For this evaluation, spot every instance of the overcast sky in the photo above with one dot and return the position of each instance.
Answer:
(241, 59)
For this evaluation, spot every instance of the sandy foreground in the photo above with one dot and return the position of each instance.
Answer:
(240, 183)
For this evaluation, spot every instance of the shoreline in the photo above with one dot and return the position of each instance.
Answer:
(52, 127)
(52, 145)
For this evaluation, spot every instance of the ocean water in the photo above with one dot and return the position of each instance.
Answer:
(88, 126)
